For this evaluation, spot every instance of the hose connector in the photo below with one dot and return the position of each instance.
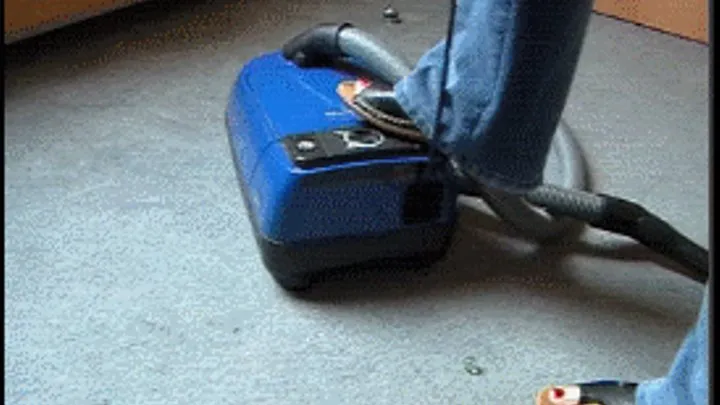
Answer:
(316, 46)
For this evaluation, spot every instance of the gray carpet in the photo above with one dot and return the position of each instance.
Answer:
(132, 276)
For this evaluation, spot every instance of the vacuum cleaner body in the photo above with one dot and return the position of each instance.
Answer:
(322, 188)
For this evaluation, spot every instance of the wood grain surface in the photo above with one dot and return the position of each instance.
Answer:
(686, 18)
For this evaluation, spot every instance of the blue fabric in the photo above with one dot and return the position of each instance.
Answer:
(688, 380)
(512, 64)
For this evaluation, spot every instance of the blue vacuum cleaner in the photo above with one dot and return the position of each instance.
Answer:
(326, 190)
(323, 188)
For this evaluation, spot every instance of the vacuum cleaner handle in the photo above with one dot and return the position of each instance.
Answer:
(326, 44)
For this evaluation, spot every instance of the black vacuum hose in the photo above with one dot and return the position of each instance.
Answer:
(326, 44)
(627, 218)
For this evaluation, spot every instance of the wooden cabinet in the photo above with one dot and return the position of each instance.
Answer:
(686, 18)
(24, 18)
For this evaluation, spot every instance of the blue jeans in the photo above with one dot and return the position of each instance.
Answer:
(687, 382)
(511, 67)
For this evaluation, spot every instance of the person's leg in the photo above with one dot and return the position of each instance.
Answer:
(512, 64)
(687, 382)
(511, 68)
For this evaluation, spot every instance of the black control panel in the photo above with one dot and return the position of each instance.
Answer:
(347, 145)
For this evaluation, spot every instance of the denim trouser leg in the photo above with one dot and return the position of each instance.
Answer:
(512, 64)
(511, 68)
(687, 382)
